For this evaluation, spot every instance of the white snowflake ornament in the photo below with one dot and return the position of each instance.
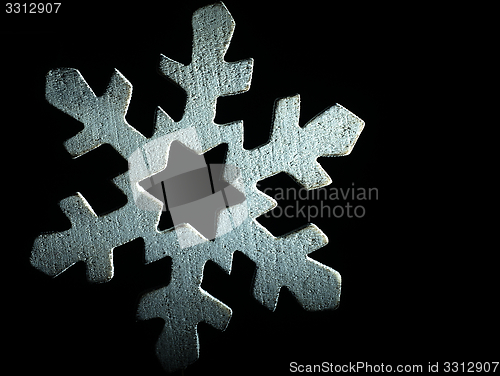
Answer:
(280, 261)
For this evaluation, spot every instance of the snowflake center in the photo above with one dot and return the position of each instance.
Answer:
(192, 189)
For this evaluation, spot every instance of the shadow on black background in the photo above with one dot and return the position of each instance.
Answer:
(404, 300)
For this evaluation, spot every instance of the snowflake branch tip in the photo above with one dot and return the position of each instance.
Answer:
(213, 28)
(283, 261)
(55, 252)
(294, 150)
(178, 346)
(208, 76)
(103, 117)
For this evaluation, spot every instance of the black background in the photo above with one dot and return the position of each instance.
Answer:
(409, 296)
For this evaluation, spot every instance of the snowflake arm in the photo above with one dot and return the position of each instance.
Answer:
(208, 76)
(103, 117)
(178, 343)
(92, 238)
(294, 150)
